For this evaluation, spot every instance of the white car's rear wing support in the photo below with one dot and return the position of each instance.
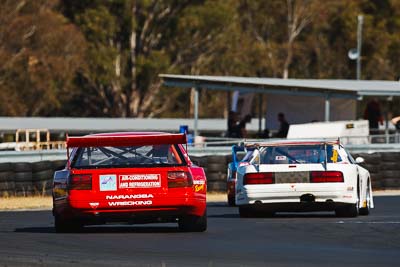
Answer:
(326, 157)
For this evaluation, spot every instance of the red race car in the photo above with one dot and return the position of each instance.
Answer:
(129, 177)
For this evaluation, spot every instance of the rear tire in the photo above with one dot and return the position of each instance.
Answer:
(365, 210)
(191, 223)
(246, 212)
(66, 226)
(350, 210)
(231, 201)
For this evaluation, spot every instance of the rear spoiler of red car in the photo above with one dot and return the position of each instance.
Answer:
(126, 140)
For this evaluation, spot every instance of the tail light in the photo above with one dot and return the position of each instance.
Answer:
(80, 182)
(259, 178)
(179, 179)
(326, 177)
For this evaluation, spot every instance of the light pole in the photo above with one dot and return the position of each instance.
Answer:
(355, 53)
(360, 20)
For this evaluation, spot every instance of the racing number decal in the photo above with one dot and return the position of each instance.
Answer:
(335, 155)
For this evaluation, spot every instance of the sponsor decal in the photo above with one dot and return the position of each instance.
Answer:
(137, 196)
(200, 182)
(108, 182)
(139, 181)
(280, 158)
(198, 187)
(130, 203)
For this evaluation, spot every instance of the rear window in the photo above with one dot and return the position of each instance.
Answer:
(132, 156)
(300, 154)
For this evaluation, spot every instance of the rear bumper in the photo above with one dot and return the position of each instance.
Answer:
(133, 211)
(297, 195)
(296, 206)
(131, 216)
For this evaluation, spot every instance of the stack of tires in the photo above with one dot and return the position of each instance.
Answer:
(372, 162)
(23, 178)
(42, 175)
(390, 170)
(26, 178)
(7, 184)
(58, 165)
(215, 168)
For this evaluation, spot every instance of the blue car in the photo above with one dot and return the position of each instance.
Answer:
(232, 168)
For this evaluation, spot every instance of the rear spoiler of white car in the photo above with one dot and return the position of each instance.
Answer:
(324, 142)
(293, 142)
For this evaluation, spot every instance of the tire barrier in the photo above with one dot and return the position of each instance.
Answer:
(215, 168)
(25, 178)
(384, 169)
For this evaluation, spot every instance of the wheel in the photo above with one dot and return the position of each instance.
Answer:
(191, 223)
(349, 210)
(231, 201)
(365, 209)
(66, 226)
(246, 212)
(267, 213)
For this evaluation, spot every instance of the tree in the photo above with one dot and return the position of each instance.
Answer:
(131, 42)
(103, 58)
(299, 15)
(40, 54)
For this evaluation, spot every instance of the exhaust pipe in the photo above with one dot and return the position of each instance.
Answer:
(306, 198)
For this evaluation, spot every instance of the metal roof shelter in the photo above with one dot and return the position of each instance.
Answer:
(328, 89)
(80, 126)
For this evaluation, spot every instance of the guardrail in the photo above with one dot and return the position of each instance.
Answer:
(30, 172)
(32, 156)
(43, 155)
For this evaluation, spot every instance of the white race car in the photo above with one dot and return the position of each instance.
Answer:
(287, 176)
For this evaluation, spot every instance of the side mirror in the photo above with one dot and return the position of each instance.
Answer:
(360, 160)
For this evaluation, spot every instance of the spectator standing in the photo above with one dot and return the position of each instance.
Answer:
(396, 122)
(242, 126)
(233, 125)
(284, 126)
(373, 114)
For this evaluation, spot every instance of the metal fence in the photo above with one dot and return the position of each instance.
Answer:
(216, 146)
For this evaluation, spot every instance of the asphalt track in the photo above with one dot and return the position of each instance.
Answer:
(313, 239)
